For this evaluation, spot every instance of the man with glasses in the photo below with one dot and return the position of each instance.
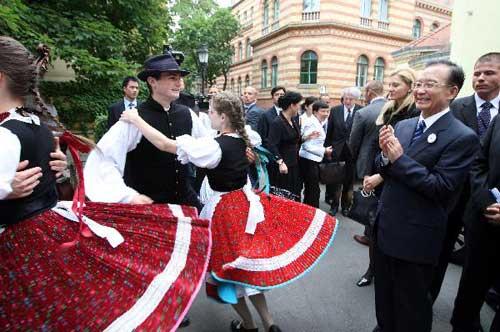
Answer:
(476, 112)
(424, 161)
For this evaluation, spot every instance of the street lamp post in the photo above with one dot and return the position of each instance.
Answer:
(203, 61)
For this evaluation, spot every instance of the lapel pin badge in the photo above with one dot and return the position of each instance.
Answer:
(431, 138)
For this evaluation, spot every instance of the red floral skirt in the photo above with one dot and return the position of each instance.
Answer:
(147, 283)
(285, 245)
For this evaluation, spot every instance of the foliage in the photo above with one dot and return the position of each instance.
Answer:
(102, 41)
(202, 21)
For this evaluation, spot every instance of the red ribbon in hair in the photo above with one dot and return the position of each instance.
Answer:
(75, 145)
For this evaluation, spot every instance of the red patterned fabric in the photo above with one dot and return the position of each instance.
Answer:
(89, 285)
(286, 223)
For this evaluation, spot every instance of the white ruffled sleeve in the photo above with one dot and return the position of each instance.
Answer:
(203, 152)
(10, 155)
(255, 139)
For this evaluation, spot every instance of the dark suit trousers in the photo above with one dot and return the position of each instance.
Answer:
(342, 193)
(309, 171)
(481, 270)
(402, 299)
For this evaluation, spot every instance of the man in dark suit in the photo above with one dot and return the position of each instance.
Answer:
(130, 88)
(337, 134)
(364, 134)
(263, 127)
(252, 112)
(424, 161)
(476, 112)
(483, 232)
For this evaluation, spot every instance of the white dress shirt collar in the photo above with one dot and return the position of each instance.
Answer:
(127, 102)
(495, 102)
(29, 118)
(429, 121)
(277, 109)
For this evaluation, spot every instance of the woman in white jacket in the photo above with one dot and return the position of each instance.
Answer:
(312, 151)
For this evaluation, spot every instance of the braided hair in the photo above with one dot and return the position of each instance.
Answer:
(22, 71)
(230, 104)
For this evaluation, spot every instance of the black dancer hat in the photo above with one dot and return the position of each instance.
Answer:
(159, 64)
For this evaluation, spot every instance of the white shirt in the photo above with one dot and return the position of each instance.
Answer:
(10, 151)
(495, 102)
(127, 103)
(429, 121)
(346, 112)
(277, 109)
(313, 149)
(105, 165)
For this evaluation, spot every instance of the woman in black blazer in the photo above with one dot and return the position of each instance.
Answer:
(284, 143)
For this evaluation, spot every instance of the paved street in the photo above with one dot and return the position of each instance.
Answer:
(327, 299)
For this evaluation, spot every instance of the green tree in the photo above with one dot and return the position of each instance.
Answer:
(203, 22)
(101, 40)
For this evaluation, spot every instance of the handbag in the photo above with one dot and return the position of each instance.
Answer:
(332, 173)
(364, 207)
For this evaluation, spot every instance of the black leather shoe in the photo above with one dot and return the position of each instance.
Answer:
(185, 322)
(237, 325)
(274, 328)
(377, 329)
(364, 281)
(345, 212)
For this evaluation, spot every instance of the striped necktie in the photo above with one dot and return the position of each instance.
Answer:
(419, 131)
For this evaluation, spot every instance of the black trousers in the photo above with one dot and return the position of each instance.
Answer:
(402, 299)
(342, 193)
(481, 270)
(309, 171)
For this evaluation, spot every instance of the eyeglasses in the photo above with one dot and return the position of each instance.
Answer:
(428, 85)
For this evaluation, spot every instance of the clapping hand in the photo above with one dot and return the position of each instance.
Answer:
(389, 144)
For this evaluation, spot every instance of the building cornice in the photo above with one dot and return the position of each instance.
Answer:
(331, 25)
(434, 7)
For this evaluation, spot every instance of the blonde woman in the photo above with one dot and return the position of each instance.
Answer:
(401, 106)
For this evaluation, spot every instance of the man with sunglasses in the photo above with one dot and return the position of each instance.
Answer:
(424, 162)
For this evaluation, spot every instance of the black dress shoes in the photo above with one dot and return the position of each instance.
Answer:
(364, 281)
(237, 326)
(377, 329)
(274, 328)
(333, 211)
(345, 212)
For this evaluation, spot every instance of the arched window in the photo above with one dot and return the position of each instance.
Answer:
(265, 17)
(274, 71)
(366, 8)
(232, 85)
(240, 51)
(378, 73)
(276, 10)
(245, 18)
(308, 68)
(417, 29)
(361, 71)
(248, 49)
(240, 86)
(247, 80)
(434, 26)
(263, 74)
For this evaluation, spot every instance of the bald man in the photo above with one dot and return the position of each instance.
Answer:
(252, 112)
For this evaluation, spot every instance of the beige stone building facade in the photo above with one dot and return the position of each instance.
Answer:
(322, 46)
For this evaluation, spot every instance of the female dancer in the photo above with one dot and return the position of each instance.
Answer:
(401, 106)
(259, 241)
(140, 272)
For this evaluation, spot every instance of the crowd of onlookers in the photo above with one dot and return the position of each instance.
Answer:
(416, 148)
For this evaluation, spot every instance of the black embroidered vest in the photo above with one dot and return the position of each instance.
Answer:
(37, 142)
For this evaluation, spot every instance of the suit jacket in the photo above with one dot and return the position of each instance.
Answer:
(485, 174)
(465, 110)
(337, 134)
(364, 134)
(264, 123)
(253, 115)
(421, 187)
(115, 111)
